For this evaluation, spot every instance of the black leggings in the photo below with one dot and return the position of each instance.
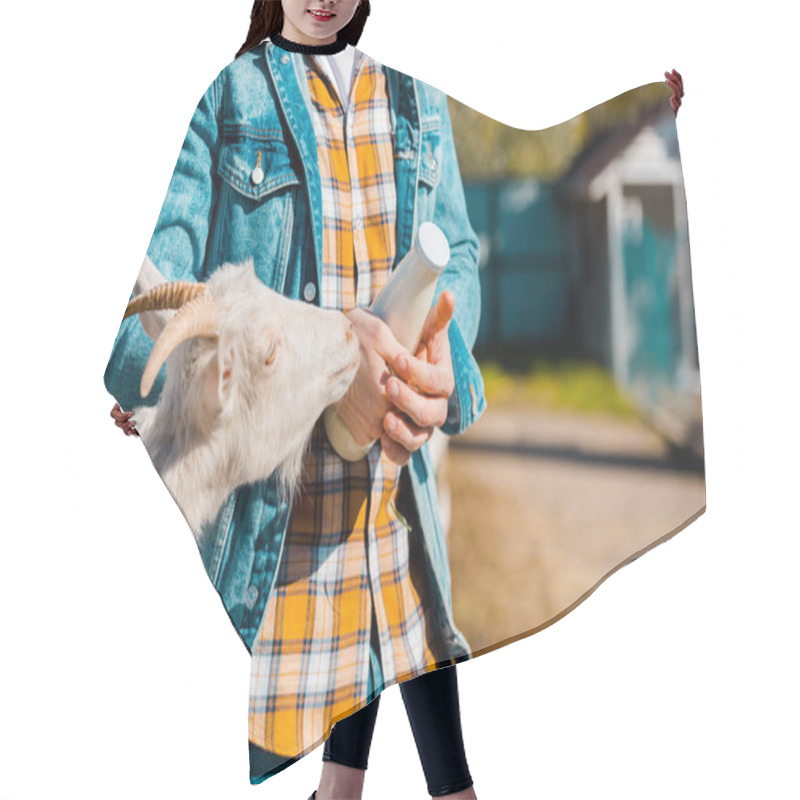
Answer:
(431, 701)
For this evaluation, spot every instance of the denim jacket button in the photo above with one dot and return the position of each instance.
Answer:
(309, 291)
(250, 596)
(285, 60)
(257, 175)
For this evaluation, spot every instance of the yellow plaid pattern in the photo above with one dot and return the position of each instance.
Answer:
(346, 564)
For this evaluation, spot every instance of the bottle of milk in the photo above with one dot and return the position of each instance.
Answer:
(403, 304)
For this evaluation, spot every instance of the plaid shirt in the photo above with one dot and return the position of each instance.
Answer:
(346, 564)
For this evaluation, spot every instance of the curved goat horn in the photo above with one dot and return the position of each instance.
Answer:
(165, 295)
(200, 317)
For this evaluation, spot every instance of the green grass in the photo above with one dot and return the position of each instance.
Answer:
(568, 384)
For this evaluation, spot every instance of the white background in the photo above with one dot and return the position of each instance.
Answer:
(121, 675)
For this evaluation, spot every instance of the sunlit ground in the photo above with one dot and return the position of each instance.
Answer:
(557, 484)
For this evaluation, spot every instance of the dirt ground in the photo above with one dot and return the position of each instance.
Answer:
(545, 504)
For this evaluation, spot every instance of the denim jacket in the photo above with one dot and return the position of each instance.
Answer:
(214, 214)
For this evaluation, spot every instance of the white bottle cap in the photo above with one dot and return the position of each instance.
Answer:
(432, 246)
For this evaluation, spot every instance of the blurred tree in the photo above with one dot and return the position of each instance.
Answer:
(488, 150)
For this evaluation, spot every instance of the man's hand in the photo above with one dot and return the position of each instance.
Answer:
(365, 403)
(421, 386)
(675, 82)
(122, 419)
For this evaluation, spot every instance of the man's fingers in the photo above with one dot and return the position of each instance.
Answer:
(406, 432)
(118, 413)
(429, 379)
(675, 84)
(123, 420)
(390, 350)
(395, 451)
(439, 316)
(386, 345)
(674, 77)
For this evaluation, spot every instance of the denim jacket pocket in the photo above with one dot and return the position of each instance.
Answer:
(256, 168)
(258, 202)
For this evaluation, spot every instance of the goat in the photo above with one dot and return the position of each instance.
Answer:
(249, 372)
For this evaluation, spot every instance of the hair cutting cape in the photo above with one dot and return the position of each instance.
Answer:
(573, 442)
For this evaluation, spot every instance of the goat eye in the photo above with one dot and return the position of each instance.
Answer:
(272, 353)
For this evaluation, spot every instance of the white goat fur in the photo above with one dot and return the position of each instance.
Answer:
(225, 417)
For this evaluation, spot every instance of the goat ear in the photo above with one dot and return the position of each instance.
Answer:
(228, 362)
